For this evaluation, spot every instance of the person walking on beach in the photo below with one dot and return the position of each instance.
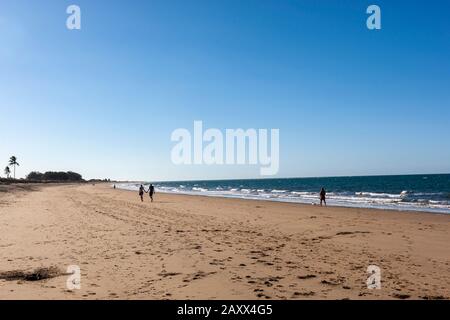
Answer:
(323, 193)
(151, 191)
(141, 192)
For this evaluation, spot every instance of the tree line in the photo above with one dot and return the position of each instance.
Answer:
(55, 176)
(62, 176)
(12, 162)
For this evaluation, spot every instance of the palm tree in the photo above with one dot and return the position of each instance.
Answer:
(7, 172)
(13, 162)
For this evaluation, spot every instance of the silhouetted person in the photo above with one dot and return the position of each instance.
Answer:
(141, 192)
(323, 193)
(151, 191)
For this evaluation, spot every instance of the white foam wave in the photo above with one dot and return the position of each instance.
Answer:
(348, 199)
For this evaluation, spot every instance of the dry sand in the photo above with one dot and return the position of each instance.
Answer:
(191, 247)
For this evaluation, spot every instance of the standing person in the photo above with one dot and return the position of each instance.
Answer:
(141, 192)
(151, 191)
(323, 193)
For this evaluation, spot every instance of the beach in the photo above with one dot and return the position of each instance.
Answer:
(196, 247)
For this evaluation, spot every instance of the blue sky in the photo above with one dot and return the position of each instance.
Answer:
(104, 100)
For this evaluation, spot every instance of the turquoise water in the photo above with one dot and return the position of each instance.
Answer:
(401, 192)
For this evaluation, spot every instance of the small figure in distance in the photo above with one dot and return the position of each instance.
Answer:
(141, 192)
(151, 191)
(323, 194)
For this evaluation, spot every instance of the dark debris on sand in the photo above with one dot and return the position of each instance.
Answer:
(35, 275)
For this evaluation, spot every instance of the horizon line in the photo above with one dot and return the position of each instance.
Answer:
(282, 178)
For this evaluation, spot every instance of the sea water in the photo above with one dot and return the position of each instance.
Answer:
(400, 192)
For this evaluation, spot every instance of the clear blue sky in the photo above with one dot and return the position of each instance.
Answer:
(104, 100)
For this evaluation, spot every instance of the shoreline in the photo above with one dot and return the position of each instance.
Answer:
(421, 193)
(408, 210)
(29, 187)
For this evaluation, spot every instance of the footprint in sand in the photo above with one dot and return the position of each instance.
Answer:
(308, 276)
(401, 296)
(304, 294)
(197, 275)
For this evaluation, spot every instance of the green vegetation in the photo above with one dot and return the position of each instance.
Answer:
(55, 176)
(38, 177)
(49, 176)
(13, 162)
(7, 172)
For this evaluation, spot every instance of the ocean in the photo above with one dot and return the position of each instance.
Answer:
(427, 192)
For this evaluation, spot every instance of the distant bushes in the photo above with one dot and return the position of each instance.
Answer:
(55, 176)
(99, 180)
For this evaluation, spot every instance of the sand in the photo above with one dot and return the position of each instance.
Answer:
(192, 247)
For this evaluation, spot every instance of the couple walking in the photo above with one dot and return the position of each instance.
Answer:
(150, 191)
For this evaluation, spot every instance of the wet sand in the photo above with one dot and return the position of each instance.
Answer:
(192, 247)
